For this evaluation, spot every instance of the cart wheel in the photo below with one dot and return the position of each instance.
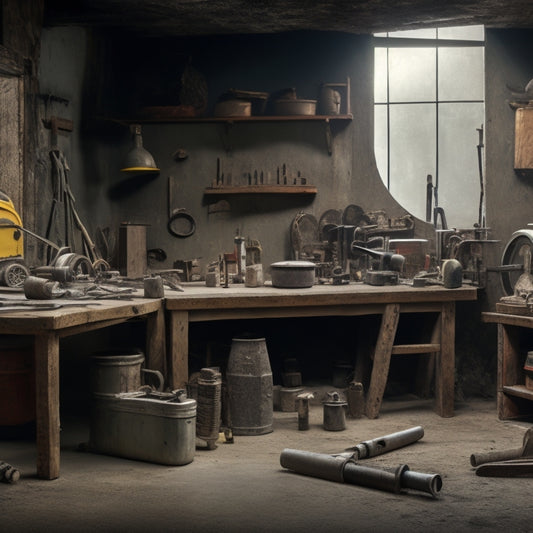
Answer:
(14, 275)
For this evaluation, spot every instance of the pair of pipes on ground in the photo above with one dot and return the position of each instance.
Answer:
(344, 468)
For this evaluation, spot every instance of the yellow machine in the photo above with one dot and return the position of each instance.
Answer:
(13, 271)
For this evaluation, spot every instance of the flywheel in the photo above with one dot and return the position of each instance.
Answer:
(514, 259)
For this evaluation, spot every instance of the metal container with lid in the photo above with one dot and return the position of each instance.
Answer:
(158, 427)
(294, 106)
(250, 386)
(293, 274)
(334, 412)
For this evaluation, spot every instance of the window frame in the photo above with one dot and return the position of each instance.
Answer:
(388, 42)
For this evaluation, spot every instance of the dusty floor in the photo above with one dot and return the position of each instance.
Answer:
(241, 486)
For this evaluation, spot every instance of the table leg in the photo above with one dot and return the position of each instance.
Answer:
(47, 404)
(156, 342)
(179, 349)
(382, 355)
(445, 364)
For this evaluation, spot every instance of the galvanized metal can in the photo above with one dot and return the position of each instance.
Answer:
(334, 412)
(250, 387)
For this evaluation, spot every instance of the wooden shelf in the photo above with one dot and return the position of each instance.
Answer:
(262, 189)
(326, 120)
(518, 390)
(231, 120)
(515, 337)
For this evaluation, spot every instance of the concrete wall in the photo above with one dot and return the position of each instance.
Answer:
(123, 73)
(118, 70)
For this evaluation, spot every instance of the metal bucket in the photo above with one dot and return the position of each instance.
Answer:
(250, 387)
(116, 371)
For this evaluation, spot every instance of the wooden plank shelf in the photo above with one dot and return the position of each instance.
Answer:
(515, 333)
(518, 390)
(230, 120)
(262, 189)
(409, 349)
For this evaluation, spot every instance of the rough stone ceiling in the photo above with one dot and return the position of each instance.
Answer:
(214, 17)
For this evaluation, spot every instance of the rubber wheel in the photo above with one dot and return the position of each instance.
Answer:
(15, 274)
(514, 255)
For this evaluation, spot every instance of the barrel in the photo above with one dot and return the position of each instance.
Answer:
(250, 387)
(17, 380)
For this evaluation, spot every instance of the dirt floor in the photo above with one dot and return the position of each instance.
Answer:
(241, 487)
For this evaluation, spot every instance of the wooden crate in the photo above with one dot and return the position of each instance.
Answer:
(132, 250)
(523, 153)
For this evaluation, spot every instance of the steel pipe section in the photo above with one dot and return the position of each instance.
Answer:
(343, 469)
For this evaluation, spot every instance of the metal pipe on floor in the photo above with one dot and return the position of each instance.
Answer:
(344, 469)
(387, 443)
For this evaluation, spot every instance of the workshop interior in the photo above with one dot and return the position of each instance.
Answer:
(221, 222)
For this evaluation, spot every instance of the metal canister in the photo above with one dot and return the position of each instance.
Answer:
(288, 398)
(208, 407)
(153, 287)
(334, 412)
(250, 387)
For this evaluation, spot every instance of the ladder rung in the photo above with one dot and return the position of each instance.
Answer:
(415, 348)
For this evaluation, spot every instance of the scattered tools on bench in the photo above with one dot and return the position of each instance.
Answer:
(344, 468)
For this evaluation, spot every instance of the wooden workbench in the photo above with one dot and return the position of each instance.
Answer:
(200, 303)
(47, 327)
(515, 337)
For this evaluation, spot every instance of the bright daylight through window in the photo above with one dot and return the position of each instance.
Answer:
(429, 115)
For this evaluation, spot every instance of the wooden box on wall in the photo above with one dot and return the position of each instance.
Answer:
(132, 250)
(523, 151)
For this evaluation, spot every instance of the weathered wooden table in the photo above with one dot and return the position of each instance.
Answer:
(47, 327)
(200, 303)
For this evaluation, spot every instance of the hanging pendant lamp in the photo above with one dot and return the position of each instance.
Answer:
(139, 160)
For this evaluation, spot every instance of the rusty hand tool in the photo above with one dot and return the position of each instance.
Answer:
(510, 468)
(526, 450)
(387, 260)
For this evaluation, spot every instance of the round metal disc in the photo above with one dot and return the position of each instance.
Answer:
(514, 255)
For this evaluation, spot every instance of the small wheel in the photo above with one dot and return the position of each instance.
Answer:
(15, 274)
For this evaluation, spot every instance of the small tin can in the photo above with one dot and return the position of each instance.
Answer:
(334, 412)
